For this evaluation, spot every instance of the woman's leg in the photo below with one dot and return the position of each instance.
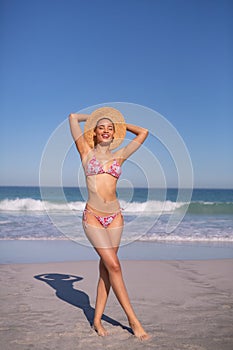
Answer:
(103, 289)
(112, 265)
(104, 242)
(99, 237)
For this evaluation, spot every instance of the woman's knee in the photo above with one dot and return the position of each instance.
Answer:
(114, 266)
(109, 259)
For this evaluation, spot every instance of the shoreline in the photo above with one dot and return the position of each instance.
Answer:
(39, 251)
(182, 304)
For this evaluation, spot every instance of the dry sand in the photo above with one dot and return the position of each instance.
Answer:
(182, 304)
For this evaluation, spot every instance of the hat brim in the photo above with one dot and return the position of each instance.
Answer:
(117, 119)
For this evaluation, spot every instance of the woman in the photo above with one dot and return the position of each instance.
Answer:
(102, 219)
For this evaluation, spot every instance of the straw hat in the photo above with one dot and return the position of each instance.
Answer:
(117, 119)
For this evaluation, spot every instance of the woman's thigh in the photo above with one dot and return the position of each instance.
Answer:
(101, 237)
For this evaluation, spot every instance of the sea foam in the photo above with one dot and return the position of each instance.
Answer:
(152, 206)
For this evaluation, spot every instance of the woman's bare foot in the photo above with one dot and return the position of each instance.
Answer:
(100, 330)
(139, 331)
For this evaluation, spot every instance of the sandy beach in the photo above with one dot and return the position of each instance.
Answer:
(182, 304)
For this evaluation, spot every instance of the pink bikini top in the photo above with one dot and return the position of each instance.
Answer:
(94, 167)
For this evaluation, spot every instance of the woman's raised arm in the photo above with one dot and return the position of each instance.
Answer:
(141, 135)
(76, 131)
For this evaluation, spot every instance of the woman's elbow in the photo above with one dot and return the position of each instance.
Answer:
(145, 132)
(71, 116)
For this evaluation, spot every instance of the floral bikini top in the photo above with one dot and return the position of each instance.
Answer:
(94, 167)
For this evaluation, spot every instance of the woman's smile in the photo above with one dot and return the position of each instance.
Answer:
(105, 136)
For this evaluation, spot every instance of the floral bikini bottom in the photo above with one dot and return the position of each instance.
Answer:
(103, 220)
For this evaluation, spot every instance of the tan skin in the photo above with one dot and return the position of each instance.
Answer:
(110, 274)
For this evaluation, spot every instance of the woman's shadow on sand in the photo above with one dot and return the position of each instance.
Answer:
(63, 285)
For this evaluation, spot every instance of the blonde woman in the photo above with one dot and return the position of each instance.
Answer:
(103, 222)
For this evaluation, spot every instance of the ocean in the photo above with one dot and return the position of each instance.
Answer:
(31, 213)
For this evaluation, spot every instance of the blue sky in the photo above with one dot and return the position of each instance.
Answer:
(173, 56)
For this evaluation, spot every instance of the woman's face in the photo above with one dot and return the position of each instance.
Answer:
(104, 131)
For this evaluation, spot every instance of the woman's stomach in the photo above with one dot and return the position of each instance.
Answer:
(106, 205)
(102, 193)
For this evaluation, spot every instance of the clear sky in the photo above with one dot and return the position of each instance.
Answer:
(173, 56)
